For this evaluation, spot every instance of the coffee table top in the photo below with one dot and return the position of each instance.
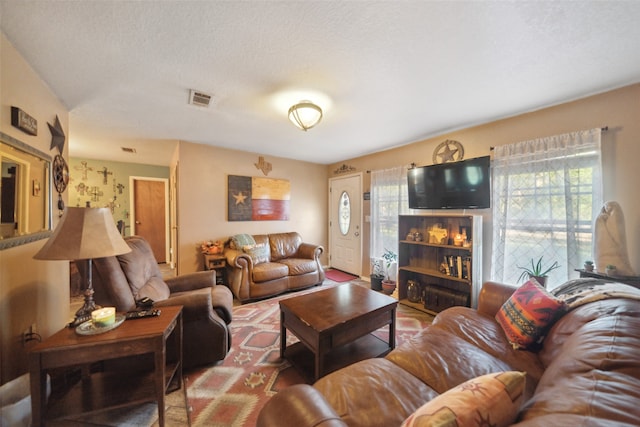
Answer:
(333, 306)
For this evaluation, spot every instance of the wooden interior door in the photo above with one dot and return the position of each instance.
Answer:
(149, 215)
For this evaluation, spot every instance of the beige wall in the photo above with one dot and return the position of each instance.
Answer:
(30, 291)
(202, 199)
(618, 109)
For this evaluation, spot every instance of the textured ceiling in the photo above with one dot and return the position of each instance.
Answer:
(386, 73)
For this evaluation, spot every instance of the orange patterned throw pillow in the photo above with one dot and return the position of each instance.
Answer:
(489, 400)
(528, 314)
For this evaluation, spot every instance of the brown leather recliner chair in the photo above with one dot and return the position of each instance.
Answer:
(120, 281)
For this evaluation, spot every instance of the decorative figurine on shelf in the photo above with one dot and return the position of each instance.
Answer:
(588, 265)
(611, 239)
(437, 234)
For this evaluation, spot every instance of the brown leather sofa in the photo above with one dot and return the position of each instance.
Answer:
(207, 308)
(587, 372)
(290, 265)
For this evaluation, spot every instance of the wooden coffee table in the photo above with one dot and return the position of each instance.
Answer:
(334, 327)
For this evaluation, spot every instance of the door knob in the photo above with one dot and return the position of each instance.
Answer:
(356, 233)
(138, 222)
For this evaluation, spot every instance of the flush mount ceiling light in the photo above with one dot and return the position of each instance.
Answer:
(305, 115)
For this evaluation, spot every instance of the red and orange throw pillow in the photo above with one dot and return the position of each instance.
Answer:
(528, 314)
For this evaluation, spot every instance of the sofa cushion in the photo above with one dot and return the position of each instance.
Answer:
(438, 369)
(239, 241)
(269, 271)
(299, 266)
(142, 271)
(284, 245)
(483, 332)
(351, 390)
(594, 378)
(259, 252)
(528, 314)
(492, 399)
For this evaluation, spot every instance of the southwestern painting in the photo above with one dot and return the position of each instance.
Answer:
(258, 199)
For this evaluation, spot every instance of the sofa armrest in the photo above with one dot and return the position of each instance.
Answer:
(307, 250)
(238, 259)
(196, 305)
(299, 405)
(222, 300)
(492, 296)
(191, 281)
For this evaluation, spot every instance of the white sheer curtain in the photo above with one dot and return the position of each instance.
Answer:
(389, 198)
(546, 194)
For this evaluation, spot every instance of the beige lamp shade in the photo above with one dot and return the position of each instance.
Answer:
(84, 233)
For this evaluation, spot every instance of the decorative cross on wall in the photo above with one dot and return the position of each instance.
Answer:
(105, 175)
(80, 188)
(84, 168)
(95, 193)
(117, 187)
(113, 205)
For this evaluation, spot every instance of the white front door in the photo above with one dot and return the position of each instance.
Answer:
(345, 226)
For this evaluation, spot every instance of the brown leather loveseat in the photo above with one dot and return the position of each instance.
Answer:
(286, 264)
(586, 372)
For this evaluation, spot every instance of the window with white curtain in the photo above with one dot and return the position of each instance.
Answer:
(546, 194)
(389, 198)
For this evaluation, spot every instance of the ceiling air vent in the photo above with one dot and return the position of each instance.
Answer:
(199, 98)
(128, 150)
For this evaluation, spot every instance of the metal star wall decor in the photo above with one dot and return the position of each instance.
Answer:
(448, 151)
(57, 135)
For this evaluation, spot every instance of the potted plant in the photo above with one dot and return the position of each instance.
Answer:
(610, 270)
(377, 273)
(588, 265)
(537, 271)
(390, 259)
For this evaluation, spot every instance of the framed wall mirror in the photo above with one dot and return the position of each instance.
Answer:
(25, 193)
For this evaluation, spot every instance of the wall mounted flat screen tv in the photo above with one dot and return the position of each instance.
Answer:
(458, 185)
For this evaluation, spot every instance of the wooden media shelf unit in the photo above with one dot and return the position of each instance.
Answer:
(442, 255)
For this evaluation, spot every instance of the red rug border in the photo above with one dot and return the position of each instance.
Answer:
(344, 276)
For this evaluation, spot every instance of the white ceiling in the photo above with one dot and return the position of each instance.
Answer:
(386, 73)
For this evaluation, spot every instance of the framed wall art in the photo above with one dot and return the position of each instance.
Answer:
(258, 199)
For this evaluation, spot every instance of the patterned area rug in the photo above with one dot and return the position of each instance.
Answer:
(232, 393)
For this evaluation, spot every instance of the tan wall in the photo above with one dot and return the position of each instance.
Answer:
(202, 199)
(30, 291)
(618, 109)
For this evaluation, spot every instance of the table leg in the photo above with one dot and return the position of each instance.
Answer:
(283, 335)
(38, 391)
(319, 366)
(160, 361)
(392, 330)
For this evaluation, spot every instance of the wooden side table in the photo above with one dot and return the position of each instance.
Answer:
(103, 390)
(217, 262)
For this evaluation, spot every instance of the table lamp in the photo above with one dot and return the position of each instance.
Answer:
(84, 234)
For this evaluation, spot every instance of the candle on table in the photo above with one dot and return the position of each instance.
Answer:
(104, 316)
